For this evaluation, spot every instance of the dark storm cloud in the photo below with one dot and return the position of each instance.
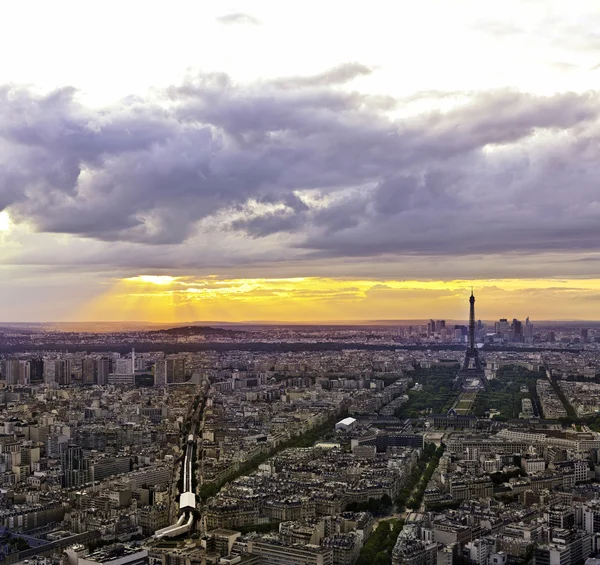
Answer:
(326, 167)
(237, 18)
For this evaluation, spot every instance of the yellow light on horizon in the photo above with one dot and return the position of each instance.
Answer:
(164, 298)
(153, 279)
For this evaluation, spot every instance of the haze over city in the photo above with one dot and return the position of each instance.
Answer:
(316, 162)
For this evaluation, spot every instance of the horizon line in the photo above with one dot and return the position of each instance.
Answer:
(282, 322)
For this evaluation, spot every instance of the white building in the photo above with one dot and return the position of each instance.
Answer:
(346, 424)
(533, 465)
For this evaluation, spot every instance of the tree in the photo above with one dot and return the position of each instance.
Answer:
(367, 556)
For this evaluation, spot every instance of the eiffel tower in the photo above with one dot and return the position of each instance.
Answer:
(471, 375)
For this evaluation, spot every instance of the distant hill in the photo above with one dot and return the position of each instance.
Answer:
(15, 330)
(187, 331)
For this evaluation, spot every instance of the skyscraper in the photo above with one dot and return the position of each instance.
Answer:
(168, 371)
(88, 371)
(49, 371)
(516, 330)
(16, 372)
(62, 373)
(36, 370)
(502, 327)
(123, 366)
(75, 467)
(160, 372)
(528, 331)
(103, 369)
(57, 371)
(178, 370)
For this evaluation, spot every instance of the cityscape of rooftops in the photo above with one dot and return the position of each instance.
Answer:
(291, 283)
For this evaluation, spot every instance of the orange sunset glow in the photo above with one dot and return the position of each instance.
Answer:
(164, 298)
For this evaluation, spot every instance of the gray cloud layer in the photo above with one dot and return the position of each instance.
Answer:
(327, 168)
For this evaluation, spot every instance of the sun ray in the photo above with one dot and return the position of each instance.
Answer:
(163, 298)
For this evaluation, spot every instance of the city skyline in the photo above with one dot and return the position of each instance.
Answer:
(250, 161)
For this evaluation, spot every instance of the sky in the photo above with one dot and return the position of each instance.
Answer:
(299, 161)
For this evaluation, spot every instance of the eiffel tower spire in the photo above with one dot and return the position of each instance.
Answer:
(472, 322)
(471, 375)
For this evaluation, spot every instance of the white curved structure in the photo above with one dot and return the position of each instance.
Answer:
(187, 499)
(180, 527)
